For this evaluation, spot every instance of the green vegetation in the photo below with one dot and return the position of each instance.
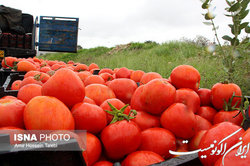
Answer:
(237, 11)
(163, 58)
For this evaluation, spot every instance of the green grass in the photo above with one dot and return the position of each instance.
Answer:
(163, 58)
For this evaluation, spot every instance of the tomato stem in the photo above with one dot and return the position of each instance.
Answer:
(6, 63)
(243, 106)
(225, 81)
(14, 64)
(38, 77)
(119, 114)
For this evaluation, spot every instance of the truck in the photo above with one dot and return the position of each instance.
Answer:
(22, 36)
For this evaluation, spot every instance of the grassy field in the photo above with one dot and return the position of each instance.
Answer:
(163, 58)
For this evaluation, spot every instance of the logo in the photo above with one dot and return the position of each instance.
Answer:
(220, 149)
(42, 140)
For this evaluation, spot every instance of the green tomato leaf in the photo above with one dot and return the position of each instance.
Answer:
(226, 37)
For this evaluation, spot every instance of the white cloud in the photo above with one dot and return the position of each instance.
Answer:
(112, 22)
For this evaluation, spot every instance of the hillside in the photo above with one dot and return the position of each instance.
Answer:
(162, 58)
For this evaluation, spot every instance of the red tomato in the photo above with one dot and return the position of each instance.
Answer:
(11, 113)
(185, 76)
(51, 63)
(71, 67)
(156, 96)
(189, 98)
(81, 67)
(61, 63)
(35, 59)
(121, 138)
(202, 123)
(25, 66)
(228, 116)
(232, 160)
(29, 91)
(158, 140)
(47, 113)
(149, 76)
(9, 61)
(137, 75)
(99, 93)
(107, 77)
(246, 137)
(107, 83)
(106, 70)
(218, 133)
(93, 66)
(83, 75)
(136, 99)
(16, 85)
(30, 80)
(103, 163)
(31, 73)
(89, 117)
(205, 96)
(45, 69)
(207, 113)
(43, 77)
(94, 79)
(180, 120)
(123, 73)
(223, 92)
(142, 158)
(8, 97)
(196, 139)
(57, 67)
(145, 120)
(70, 62)
(66, 86)
(88, 100)
(123, 88)
(94, 149)
(117, 104)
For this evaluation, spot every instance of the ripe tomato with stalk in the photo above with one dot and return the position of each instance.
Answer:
(232, 113)
(221, 93)
(122, 136)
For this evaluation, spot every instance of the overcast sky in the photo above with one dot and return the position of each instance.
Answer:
(112, 22)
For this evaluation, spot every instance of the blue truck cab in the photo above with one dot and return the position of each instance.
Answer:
(21, 36)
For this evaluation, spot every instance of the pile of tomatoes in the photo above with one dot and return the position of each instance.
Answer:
(130, 116)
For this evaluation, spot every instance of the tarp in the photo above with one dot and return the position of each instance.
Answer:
(11, 20)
